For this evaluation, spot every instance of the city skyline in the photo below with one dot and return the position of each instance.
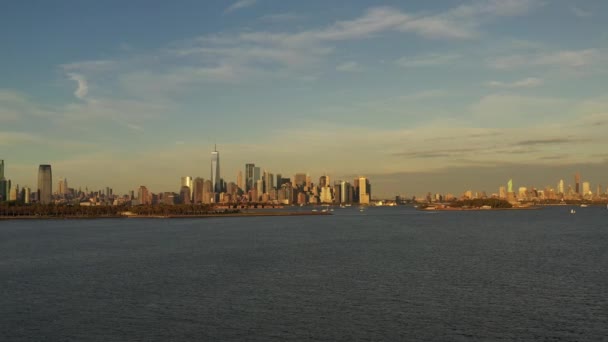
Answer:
(418, 96)
(580, 188)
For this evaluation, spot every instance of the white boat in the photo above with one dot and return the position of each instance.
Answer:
(572, 211)
(583, 206)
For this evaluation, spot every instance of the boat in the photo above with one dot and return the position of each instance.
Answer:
(572, 211)
(584, 205)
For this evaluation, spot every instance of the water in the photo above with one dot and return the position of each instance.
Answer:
(383, 274)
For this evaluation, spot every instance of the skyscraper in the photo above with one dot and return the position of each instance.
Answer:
(239, 180)
(249, 184)
(560, 187)
(45, 184)
(187, 181)
(577, 183)
(364, 191)
(215, 171)
(62, 186)
(1, 168)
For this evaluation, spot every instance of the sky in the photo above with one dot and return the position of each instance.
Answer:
(439, 96)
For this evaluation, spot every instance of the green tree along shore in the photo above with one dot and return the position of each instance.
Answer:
(67, 211)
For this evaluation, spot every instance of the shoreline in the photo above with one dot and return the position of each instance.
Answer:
(242, 214)
(480, 209)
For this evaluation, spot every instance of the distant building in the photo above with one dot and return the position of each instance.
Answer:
(522, 193)
(299, 180)
(239, 180)
(560, 187)
(325, 196)
(502, 192)
(25, 194)
(215, 174)
(257, 175)
(259, 189)
(187, 181)
(249, 182)
(184, 195)
(323, 181)
(364, 191)
(346, 190)
(4, 189)
(587, 189)
(144, 197)
(207, 191)
(62, 187)
(577, 183)
(45, 184)
(197, 190)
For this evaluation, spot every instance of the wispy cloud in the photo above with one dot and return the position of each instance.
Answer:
(529, 82)
(565, 58)
(83, 87)
(427, 60)
(550, 141)
(240, 5)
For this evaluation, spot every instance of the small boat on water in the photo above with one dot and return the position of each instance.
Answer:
(572, 211)
(584, 205)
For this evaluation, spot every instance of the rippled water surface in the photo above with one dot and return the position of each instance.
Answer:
(383, 274)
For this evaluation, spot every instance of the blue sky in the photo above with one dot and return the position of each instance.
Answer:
(120, 94)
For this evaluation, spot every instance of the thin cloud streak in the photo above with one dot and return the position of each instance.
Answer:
(240, 5)
(529, 82)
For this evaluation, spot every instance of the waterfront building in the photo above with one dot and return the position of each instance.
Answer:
(144, 196)
(268, 182)
(215, 173)
(345, 192)
(522, 193)
(249, 183)
(323, 181)
(256, 175)
(207, 191)
(4, 189)
(325, 196)
(1, 168)
(184, 195)
(45, 184)
(560, 187)
(586, 189)
(364, 191)
(337, 193)
(259, 187)
(25, 194)
(197, 190)
(232, 189)
(278, 183)
(299, 180)
(13, 194)
(577, 183)
(187, 181)
(502, 192)
(239, 180)
(62, 187)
